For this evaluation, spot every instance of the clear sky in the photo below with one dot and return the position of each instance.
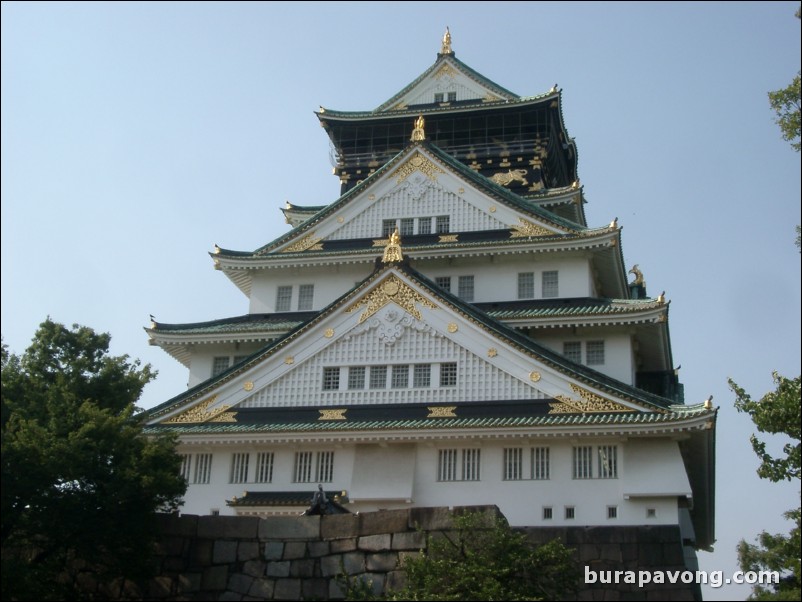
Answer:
(135, 136)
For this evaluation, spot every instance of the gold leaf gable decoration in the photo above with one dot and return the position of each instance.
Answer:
(391, 290)
(526, 228)
(307, 243)
(587, 403)
(201, 413)
(417, 162)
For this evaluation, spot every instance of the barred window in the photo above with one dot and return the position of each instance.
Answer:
(513, 463)
(356, 377)
(302, 471)
(595, 352)
(284, 298)
(203, 468)
(325, 466)
(540, 463)
(442, 224)
(612, 511)
(526, 285)
(422, 375)
(186, 465)
(608, 462)
(407, 227)
(400, 378)
(239, 468)
(570, 512)
(452, 96)
(378, 377)
(331, 379)
(550, 284)
(444, 282)
(438, 96)
(447, 465)
(548, 512)
(573, 351)
(448, 375)
(388, 227)
(470, 464)
(465, 288)
(424, 225)
(219, 365)
(583, 462)
(264, 467)
(306, 294)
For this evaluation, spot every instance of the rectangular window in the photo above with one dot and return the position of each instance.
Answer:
(407, 227)
(331, 379)
(388, 226)
(378, 377)
(422, 375)
(306, 293)
(573, 351)
(219, 365)
(608, 462)
(448, 375)
(356, 377)
(438, 96)
(548, 513)
(203, 468)
(264, 467)
(583, 462)
(570, 512)
(595, 351)
(612, 511)
(550, 284)
(400, 377)
(526, 285)
(186, 466)
(302, 471)
(442, 224)
(540, 463)
(424, 225)
(452, 96)
(284, 298)
(447, 465)
(444, 282)
(465, 288)
(239, 468)
(651, 512)
(513, 463)
(325, 466)
(470, 464)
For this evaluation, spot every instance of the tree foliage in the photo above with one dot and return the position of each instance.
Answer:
(786, 104)
(481, 561)
(81, 484)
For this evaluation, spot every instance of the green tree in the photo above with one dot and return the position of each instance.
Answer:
(80, 482)
(786, 104)
(779, 413)
(488, 561)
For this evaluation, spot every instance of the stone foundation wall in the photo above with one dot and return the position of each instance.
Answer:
(301, 557)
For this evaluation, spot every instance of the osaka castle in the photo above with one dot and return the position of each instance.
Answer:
(447, 331)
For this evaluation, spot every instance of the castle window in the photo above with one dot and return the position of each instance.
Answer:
(465, 288)
(356, 377)
(325, 466)
(378, 377)
(302, 471)
(448, 375)
(540, 463)
(608, 462)
(595, 353)
(470, 464)
(651, 512)
(388, 226)
(570, 512)
(424, 225)
(447, 465)
(331, 379)
(612, 511)
(452, 96)
(284, 298)
(526, 285)
(239, 468)
(449, 470)
(186, 465)
(548, 513)
(438, 96)
(422, 375)
(203, 468)
(400, 379)
(583, 462)
(264, 467)
(550, 283)
(442, 224)
(220, 365)
(573, 351)
(444, 282)
(407, 227)
(513, 463)
(306, 293)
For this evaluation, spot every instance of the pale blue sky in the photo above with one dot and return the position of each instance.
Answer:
(135, 136)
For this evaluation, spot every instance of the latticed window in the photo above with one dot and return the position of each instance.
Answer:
(540, 463)
(548, 513)
(378, 377)
(203, 468)
(595, 352)
(264, 467)
(470, 464)
(239, 468)
(220, 365)
(608, 462)
(388, 227)
(452, 96)
(465, 288)
(448, 375)
(447, 465)
(306, 294)
(325, 466)
(570, 512)
(302, 470)
(407, 227)
(526, 285)
(583, 462)
(550, 282)
(513, 463)
(284, 298)
(573, 351)
(356, 377)
(438, 96)
(186, 466)
(400, 377)
(443, 282)
(442, 224)
(331, 379)
(612, 511)
(424, 225)
(422, 375)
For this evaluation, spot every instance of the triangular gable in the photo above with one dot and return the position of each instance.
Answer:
(393, 318)
(447, 75)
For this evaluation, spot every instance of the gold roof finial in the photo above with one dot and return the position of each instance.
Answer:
(418, 133)
(446, 47)
(392, 252)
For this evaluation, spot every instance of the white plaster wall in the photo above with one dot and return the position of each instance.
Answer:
(200, 366)
(618, 355)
